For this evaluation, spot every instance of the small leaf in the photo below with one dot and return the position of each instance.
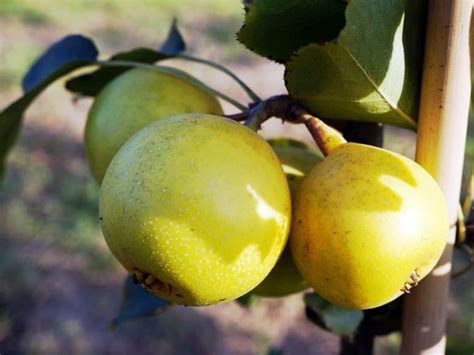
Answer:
(68, 54)
(314, 300)
(342, 321)
(138, 303)
(329, 316)
(315, 317)
(174, 43)
(372, 73)
(277, 28)
(92, 83)
(247, 300)
(69, 49)
(52, 65)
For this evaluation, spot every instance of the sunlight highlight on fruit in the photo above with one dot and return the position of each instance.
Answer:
(264, 209)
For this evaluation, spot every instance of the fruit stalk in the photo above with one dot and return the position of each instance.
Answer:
(240, 116)
(283, 106)
(443, 117)
(326, 137)
(276, 106)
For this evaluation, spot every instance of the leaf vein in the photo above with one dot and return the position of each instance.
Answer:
(394, 106)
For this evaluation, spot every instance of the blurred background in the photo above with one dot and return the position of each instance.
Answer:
(59, 285)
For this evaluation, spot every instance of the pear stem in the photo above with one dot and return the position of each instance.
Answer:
(286, 108)
(326, 137)
(241, 116)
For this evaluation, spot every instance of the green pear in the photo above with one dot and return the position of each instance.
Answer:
(284, 279)
(133, 100)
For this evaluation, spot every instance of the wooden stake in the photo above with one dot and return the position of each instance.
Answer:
(442, 128)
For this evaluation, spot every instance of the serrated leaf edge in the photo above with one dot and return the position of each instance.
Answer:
(253, 50)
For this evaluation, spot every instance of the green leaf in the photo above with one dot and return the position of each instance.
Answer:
(11, 117)
(277, 28)
(68, 49)
(90, 84)
(372, 73)
(247, 300)
(315, 317)
(138, 303)
(329, 316)
(174, 43)
(62, 57)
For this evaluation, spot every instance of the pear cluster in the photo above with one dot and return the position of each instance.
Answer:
(201, 209)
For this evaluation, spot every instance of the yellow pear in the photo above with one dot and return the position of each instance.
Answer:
(133, 100)
(197, 207)
(368, 225)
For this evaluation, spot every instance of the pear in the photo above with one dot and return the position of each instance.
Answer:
(368, 225)
(197, 208)
(132, 101)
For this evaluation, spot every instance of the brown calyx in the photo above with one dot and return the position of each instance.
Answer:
(154, 285)
(412, 282)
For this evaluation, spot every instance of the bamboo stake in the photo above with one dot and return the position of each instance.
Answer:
(442, 128)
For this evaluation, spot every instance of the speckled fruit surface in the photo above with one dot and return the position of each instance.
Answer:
(130, 102)
(368, 224)
(198, 207)
(285, 279)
